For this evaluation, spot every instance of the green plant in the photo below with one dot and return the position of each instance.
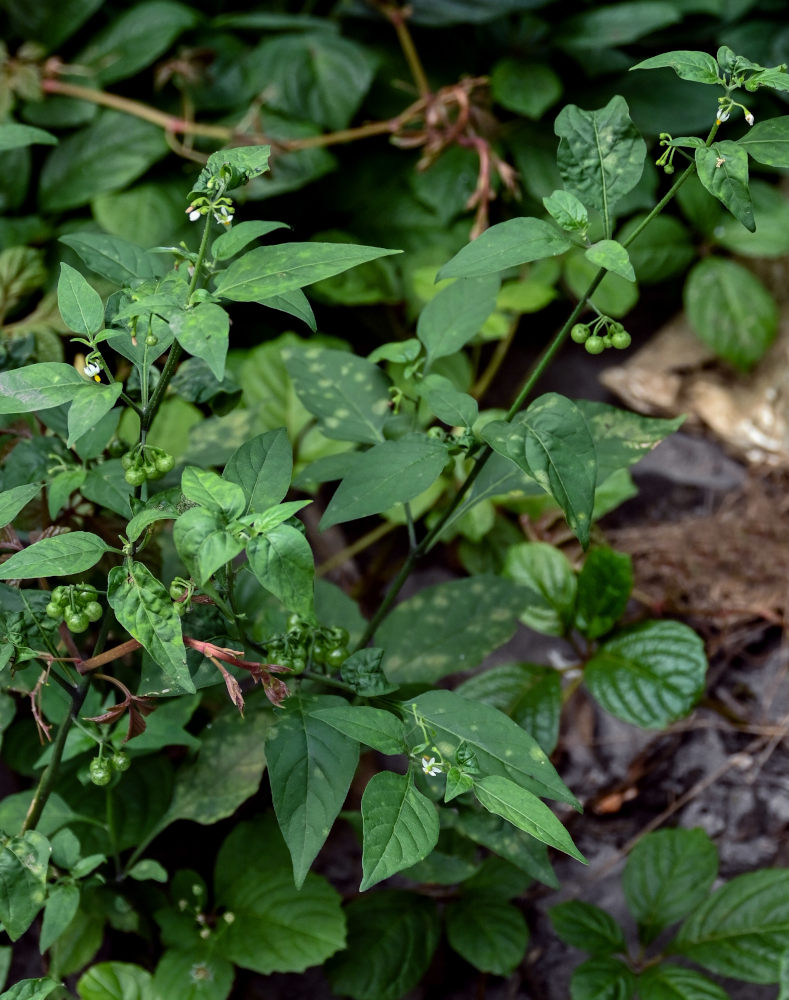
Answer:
(210, 580)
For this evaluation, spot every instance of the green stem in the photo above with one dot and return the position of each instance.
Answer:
(168, 371)
(533, 378)
(48, 778)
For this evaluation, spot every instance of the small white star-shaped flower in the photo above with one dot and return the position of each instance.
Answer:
(223, 216)
(430, 767)
(92, 370)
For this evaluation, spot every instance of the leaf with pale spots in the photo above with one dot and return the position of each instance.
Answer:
(723, 170)
(204, 332)
(311, 765)
(143, 607)
(500, 745)
(620, 437)
(348, 395)
(400, 826)
(451, 626)
(390, 472)
(507, 244)
(551, 442)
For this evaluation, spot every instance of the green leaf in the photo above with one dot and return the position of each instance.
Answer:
(315, 76)
(452, 407)
(80, 305)
(105, 156)
(241, 235)
(389, 473)
(235, 165)
(771, 212)
(143, 607)
(784, 977)
(723, 170)
(741, 930)
(400, 826)
(518, 848)
(487, 932)
(586, 926)
(567, 210)
(650, 674)
(262, 466)
(528, 88)
(601, 154)
(14, 500)
(231, 747)
(311, 765)
(616, 24)
(59, 911)
(204, 331)
(602, 979)
(687, 64)
(613, 257)
(391, 939)
(661, 250)
(451, 626)
(551, 443)
(666, 876)
(212, 491)
(374, 727)
(507, 244)
(30, 989)
(118, 260)
(38, 387)
(768, 142)
(203, 543)
(282, 561)
(278, 928)
(14, 136)
(672, 982)
(105, 485)
(148, 871)
(621, 437)
(362, 670)
(268, 271)
(61, 555)
(191, 975)
(501, 747)
(524, 810)
(455, 315)
(348, 395)
(529, 693)
(23, 866)
(604, 586)
(730, 310)
(135, 39)
(548, 582)
(614, 296)
(88, 407)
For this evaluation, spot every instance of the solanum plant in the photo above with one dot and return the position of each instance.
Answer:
(156, 586)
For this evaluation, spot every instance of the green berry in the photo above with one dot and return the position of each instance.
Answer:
(164, 463)
(93, 610)
(120, 761)
(151, 340)
(319, 651)
(298, 664)
(150, 470)
(53, 611)
(59, 596)
(128, 461)
(595, 345)
(607, 341)
(668, 168)
(580, 333)
(135, 477)
(340, 636)
(76, 621)
(621, 340)
(100, 772)
(336, 656)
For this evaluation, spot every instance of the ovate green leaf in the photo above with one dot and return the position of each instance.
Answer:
(60, 555)
(282, 561)
(80, 305)
(487, 931)
(507, 244)
(204, 331)
(723, 170)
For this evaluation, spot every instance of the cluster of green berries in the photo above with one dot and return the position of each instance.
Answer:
(101, 769)
(306, 645)
(145, 462)
(604, 333)
(76, 605)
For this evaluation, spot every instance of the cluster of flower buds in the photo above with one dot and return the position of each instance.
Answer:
(725, 107)
(222, 209)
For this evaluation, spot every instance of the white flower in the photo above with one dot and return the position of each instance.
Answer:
(430, 767)
(749, 117)
(92, 370)
(223, 216)
(193, 213)
(723, 116)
